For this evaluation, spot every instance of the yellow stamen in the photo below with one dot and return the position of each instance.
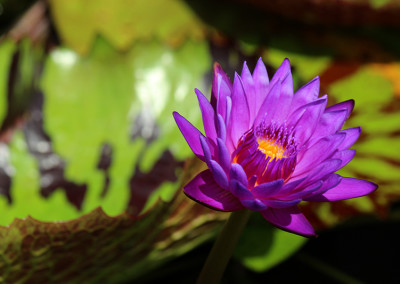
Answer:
(270, 148)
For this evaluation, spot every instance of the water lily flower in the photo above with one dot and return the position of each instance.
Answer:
(268, 148)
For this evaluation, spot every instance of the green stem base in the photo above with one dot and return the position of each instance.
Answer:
(223, 248)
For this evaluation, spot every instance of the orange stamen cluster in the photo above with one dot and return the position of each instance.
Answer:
(270, 148)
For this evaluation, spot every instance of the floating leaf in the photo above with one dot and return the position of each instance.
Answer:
(122, 22)
(263, 246)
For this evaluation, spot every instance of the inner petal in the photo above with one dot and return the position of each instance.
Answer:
(267, 152)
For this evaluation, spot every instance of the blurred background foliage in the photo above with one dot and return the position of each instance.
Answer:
(92, 163)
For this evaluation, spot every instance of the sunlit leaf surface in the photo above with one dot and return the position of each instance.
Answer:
(122, 22)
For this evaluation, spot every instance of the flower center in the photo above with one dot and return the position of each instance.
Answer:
(267, 152)
(270, 148)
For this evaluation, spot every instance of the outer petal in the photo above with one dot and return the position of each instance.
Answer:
(268, 108)
(347, 188)
(318, 153)
(191, 135)
(289, 219)
(241, 192)
(286, 93)
(204, 189)
(238, 174)
(306, 94)
(240, 117)
(269, 189)
(329, 123)
(346, 105)
(352, 135)
(248, 85)
(308, 121)
(208, 114)
(254, 205)
(261, 81)
(221, 88)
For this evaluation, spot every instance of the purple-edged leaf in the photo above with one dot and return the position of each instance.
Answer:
(208, 114)
(289, 219)
(266, 190)
(347, 188)
(261, 81)
(191, 134)
(204, 189)
(240, 117)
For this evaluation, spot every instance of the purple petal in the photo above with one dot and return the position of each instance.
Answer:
(321, 171)
(299, 195)
(352, 135)
(347, 188)
(254, 204)
(219, 174)
(269, 106)
(289, 219)
(248, 85)
(261, 81)
(286, 93)
(345, 156)
(208, 114)
(204, 189)
(238, 173)
(239, 120)
(307, 123)
(281, 203)
(239, 190)
(289, 187)
(306, 94)
(266, 190)
(191, 134)
(318, 153)
(329, 123)
(330, 182)
(282, 73)
(221, 129)
(348, 106)
(221, 88)
(206, 149)
(224, 157)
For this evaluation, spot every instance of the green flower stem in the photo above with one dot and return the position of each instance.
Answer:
(223, 248)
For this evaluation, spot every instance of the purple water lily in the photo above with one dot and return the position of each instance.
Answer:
(267, 148)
